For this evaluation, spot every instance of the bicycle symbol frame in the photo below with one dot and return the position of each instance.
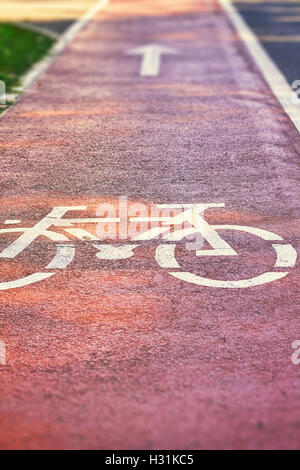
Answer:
(191, 215)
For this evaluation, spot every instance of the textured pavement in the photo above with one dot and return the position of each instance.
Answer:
(120, 354)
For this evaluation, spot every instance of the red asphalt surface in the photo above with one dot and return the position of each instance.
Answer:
(119, 354)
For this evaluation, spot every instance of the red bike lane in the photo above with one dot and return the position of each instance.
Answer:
(119, 353)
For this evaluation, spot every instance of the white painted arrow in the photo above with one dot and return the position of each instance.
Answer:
(151, 58)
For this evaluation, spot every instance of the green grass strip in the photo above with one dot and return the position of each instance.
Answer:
(19, 50)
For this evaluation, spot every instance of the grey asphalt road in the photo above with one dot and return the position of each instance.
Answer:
(56, 26)
(277, 25)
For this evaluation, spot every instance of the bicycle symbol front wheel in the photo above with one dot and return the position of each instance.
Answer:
(286, 257)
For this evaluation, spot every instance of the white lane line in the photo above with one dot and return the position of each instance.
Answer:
(2, 353)
(268, 68)
(30, 77)
(38, 29)
(150, 66)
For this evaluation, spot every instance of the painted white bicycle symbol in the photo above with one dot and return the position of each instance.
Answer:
(190, 221)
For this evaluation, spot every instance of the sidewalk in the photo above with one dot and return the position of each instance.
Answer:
(41, 10)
